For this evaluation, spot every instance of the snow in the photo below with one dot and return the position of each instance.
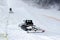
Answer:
(47, 19)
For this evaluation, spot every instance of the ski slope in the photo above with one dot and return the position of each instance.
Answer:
(47, 19)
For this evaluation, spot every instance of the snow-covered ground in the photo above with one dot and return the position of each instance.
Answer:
(47, 19)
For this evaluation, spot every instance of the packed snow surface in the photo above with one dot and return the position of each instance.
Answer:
(47, 19)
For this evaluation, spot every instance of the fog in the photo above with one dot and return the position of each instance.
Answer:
(46, 4)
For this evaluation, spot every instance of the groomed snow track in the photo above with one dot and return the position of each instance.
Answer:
(47, 19)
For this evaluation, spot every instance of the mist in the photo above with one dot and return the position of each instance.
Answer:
(46, 4)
